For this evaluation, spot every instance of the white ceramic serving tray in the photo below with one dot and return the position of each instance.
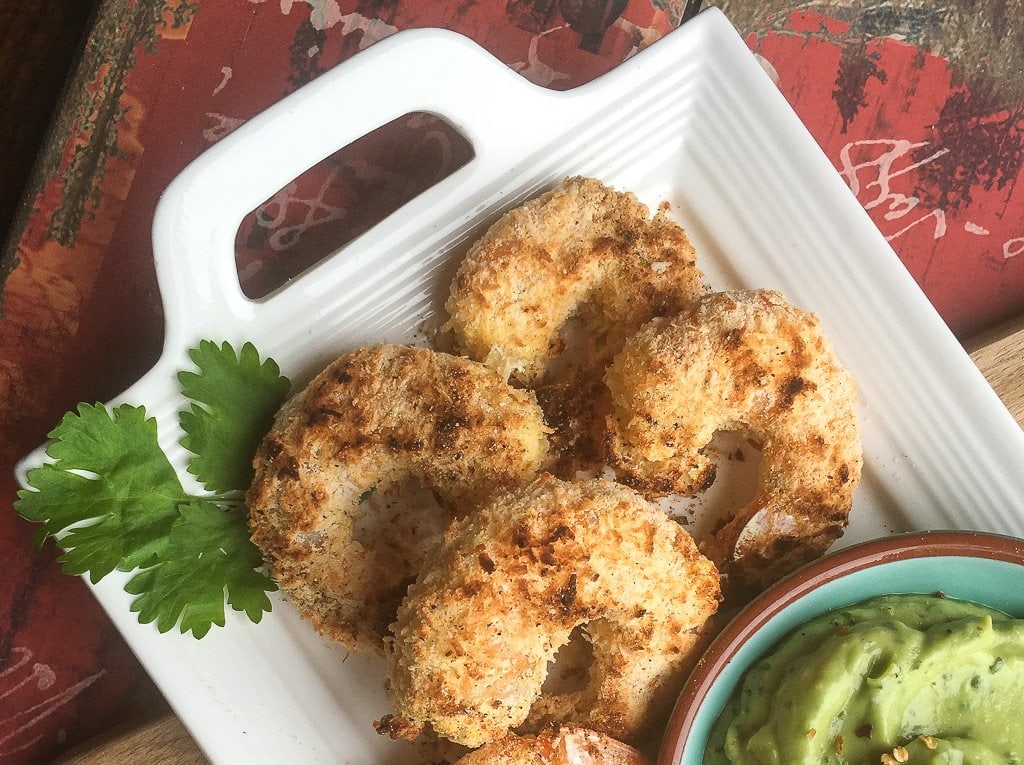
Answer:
(692, 119)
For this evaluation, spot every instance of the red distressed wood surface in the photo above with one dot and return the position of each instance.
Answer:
(935, 164)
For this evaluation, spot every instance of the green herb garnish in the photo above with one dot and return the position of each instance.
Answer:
(117, 503)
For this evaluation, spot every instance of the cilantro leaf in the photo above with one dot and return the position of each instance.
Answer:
(208, 554)
(110, 484)
(116, 502)
(235, 398)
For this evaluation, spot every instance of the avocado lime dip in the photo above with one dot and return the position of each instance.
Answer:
(901, 678)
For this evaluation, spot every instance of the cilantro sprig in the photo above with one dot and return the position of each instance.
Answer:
(114, 501)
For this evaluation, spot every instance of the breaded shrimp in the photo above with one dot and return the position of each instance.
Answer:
(373, 417)
(477, 630)
(744, 361)
(581, 250)
(558, 745)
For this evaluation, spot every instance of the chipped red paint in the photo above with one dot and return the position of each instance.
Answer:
(935, 164)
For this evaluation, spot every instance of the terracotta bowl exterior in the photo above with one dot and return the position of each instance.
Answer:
(984, 568)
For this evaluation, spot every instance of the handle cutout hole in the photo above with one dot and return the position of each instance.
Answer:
(343, 196)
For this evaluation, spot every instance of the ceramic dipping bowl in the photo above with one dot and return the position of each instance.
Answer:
(983, 568)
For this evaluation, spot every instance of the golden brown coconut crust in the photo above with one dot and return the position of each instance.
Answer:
(373, 417)
(476, 631)
(749, 361)
(581, 250)
(557, 745)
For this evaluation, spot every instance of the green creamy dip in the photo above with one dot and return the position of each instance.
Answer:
(942, 678)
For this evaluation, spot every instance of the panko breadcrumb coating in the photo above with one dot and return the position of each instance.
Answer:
(742, 361)
(581, 250)
(373, 417)
(558, 745)
(477, 630)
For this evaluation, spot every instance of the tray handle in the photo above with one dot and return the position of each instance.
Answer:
(198, 216)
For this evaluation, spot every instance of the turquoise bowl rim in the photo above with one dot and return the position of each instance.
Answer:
(982, 567)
